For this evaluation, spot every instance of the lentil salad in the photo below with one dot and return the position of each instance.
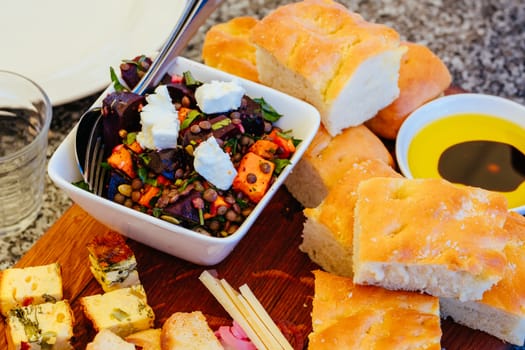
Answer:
(164, 182)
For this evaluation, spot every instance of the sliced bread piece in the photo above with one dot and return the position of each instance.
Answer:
(328, 230)
(349, 316)
(327, 158)
(422, 77)
(188, 330)
(227, 47)
(501, 311)
(321, 52)
(429, 235)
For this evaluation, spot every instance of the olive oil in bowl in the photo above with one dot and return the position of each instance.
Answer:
(472, 149)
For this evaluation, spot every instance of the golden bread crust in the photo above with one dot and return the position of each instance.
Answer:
(227, 47)
(429, 235)
(109, 248)
(322, 41)
(351, 316)
(329, 212)
(328, 158)
(188, 330)
(353, 145)
(509, 293)
(422, 77)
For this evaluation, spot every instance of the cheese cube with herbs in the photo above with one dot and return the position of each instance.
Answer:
(30, 286)
(44, 326)
(123, 311)
(113, 263)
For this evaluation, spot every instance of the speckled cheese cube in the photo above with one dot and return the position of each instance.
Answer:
(43, 326)
(123, 311)
(30, 286)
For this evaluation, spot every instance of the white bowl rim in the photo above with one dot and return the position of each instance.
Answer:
(447, 105)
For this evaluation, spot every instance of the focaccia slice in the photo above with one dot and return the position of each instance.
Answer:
(501, 311)
(350, 316)
(429, 235)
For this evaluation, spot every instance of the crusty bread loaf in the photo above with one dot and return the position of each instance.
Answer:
(422, 77)
(501, 311)
(349, 316)
(429, 235)
(328, 230)
(227, 47)
(319, 51)
(327, 158)
(188, 330)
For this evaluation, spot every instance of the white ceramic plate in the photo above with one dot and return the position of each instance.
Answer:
(67, 47)
(298, 116)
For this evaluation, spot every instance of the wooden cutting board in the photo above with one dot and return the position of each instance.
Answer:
(267, 259)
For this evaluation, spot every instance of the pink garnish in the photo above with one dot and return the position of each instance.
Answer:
(234, 338)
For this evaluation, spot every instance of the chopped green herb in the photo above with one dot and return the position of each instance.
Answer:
(232, 143)
(116, 82)
(221, 124)
(119, 314)
(130, 138)
(31, 327)
(49, 298)
(190, 80)
(201, 217)
(268, 112)
(145, 158)
(190, 117)
(143, 174)
(82, 185)
(280, 164)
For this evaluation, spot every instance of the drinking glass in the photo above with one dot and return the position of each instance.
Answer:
(25, 116)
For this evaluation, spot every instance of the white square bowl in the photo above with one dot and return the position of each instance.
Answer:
(298, 116)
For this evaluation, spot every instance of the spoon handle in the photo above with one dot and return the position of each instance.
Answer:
(194, 14)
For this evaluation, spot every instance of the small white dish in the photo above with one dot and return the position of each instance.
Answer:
(472, 135)
(298, 116)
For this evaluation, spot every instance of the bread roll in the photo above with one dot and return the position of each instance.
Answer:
(501, 311)
(227, 47)
(422, 77)
(328, 230)
(319, 51)
(188, 330)
(327, 158)
(429, 235)
(348, 316)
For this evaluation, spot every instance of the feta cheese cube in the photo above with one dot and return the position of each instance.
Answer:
(215, 165)
(160, 121)
(219, 96)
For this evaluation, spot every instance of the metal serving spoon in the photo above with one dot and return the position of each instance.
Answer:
(89, 128)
